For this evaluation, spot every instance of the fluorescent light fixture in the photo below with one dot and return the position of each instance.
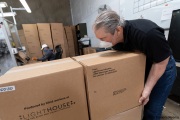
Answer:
(24, 3)
(18, 8)
(3, 4)
(8, 14)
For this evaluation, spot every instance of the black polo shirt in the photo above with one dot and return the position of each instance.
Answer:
(147, 37)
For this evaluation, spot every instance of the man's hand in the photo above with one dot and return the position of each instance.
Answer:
(34, 58)
(155, 73)
(144, 97)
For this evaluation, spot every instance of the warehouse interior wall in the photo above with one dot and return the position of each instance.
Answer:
(43, 11)
(86, 11)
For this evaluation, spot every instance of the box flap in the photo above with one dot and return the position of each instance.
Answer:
(104, 57)
(39, 69)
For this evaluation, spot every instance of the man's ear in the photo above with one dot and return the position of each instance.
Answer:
(119, 29)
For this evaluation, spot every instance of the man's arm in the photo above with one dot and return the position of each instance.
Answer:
(157, 70)
(45, 57)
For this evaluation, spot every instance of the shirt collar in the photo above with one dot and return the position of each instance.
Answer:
(125, 31)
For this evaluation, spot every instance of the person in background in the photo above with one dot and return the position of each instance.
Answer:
(48, 54)
(147, 37)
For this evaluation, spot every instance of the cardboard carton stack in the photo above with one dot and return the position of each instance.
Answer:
(110, 83)
(114, 82)
(59, 38)
(44, 91)
(70, 39)
(53, 34)
(32, 40)
(23, 57)
(45, 34)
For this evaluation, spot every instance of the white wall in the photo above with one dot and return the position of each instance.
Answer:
(158, 11)
(86, 11)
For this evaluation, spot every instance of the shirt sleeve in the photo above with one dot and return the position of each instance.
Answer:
(157, 47)
(45, 57)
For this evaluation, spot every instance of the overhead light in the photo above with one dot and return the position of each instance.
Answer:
(24, 3)
(3, 4)
(18, 8)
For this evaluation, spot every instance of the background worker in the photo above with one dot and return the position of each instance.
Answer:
(48, 54)
(147, 37)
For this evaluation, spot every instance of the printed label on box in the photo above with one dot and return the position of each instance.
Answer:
(7, 89)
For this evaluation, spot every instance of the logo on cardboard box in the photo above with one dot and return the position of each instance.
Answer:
(46, 111)
(119, 91)
(101, 72)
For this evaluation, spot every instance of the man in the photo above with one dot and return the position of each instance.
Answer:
(48, 54)
(144, 36)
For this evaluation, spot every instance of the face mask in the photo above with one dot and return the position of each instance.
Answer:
(103, 44)
(45, 50)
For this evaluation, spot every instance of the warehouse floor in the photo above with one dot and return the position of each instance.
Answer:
(171, 109)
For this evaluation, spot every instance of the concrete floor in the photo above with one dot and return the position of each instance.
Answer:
(171, 109)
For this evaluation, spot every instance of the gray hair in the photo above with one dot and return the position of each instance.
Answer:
(109, 20)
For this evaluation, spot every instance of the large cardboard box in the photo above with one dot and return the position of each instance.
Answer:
(45, 34)
(59, 38)
(32, 40)
(70, 39)
(23, 57)
(132, 114)
(114, 81)
(50, 91)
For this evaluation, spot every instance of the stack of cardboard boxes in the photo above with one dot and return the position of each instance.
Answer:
(52, 34)
(59, 38)
(70, 39)
(45, 34)
(32, 40)
(56, 90)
